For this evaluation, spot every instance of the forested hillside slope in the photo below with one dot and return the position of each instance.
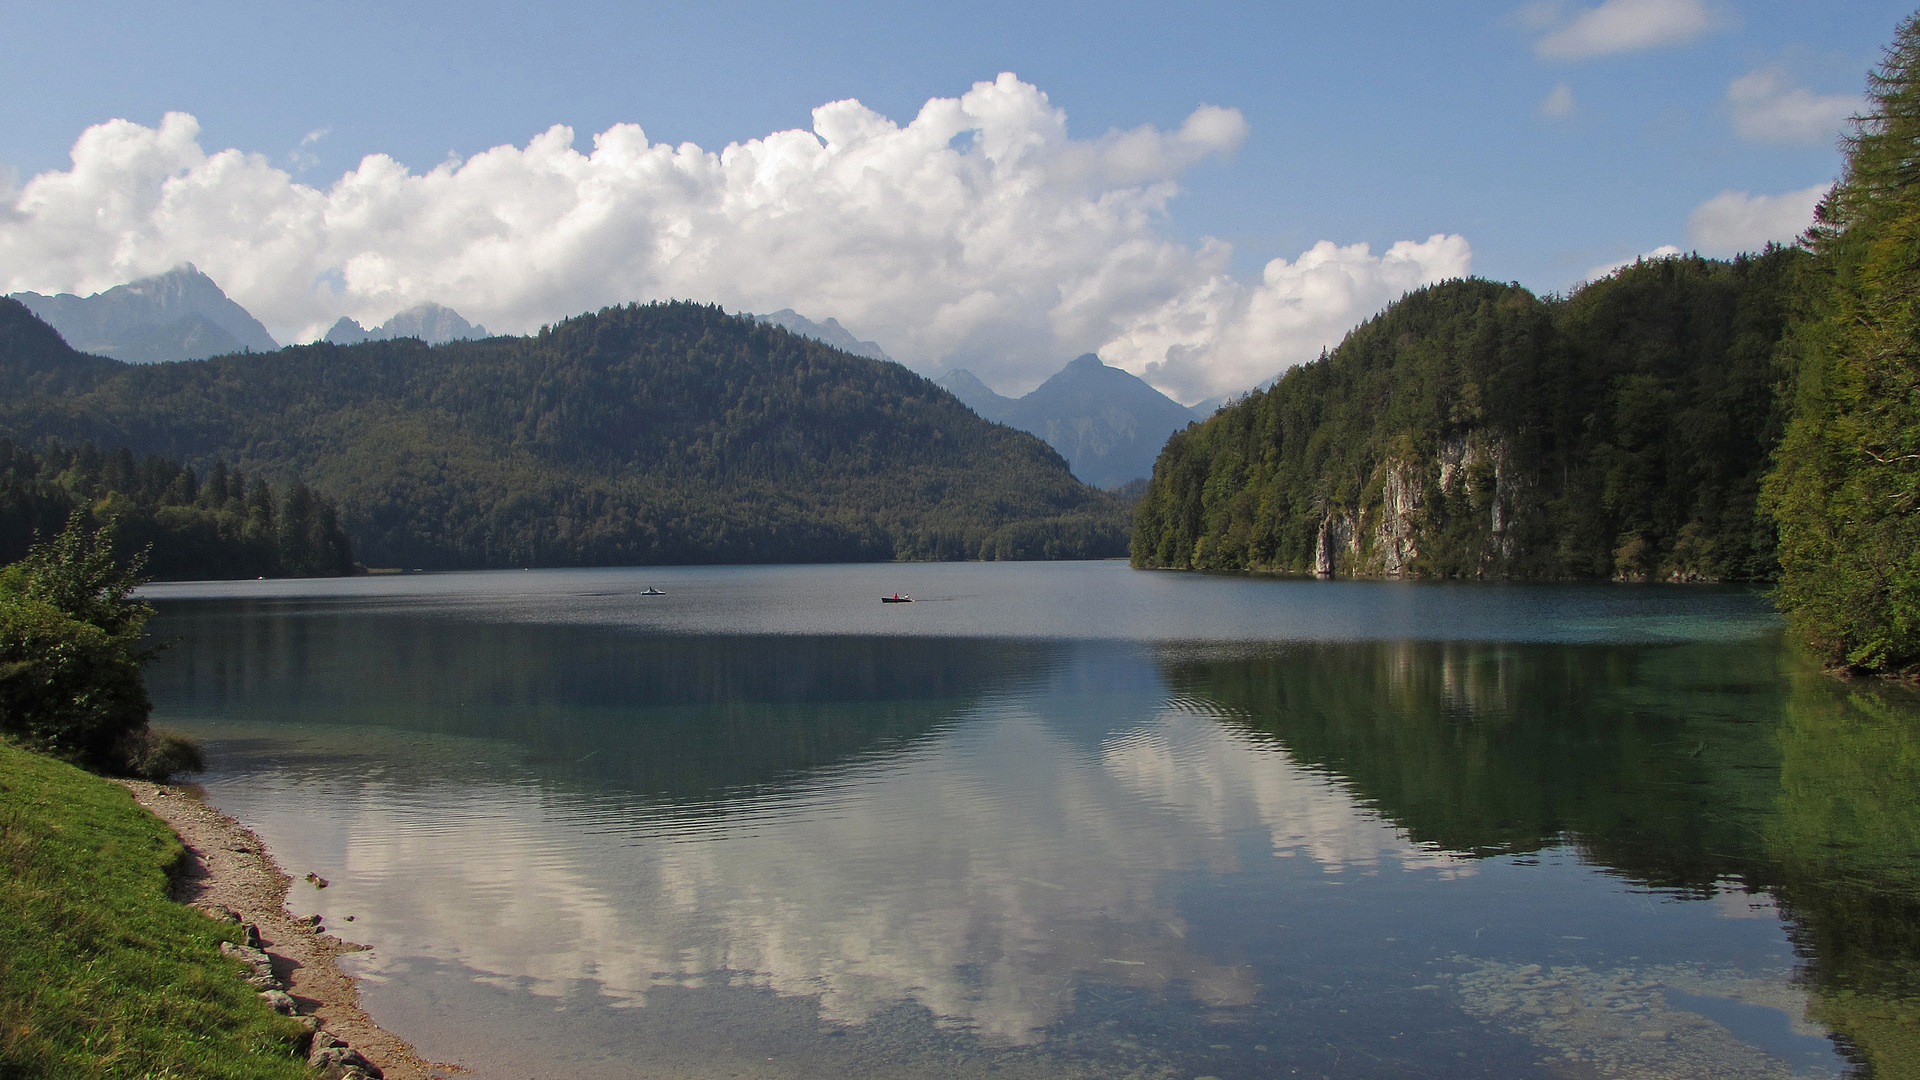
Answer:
(1476, 430)
(645, 434)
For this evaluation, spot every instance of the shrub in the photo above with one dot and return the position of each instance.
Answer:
(71, 657)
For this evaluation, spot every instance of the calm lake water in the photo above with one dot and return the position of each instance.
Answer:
(1071, 820)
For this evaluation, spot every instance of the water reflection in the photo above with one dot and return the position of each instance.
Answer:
(1088, 857)
(679, 718)
(1657, 760)
(1717, 771)
(983, 876)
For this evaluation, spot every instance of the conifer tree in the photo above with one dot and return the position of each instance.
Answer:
(1846, 486)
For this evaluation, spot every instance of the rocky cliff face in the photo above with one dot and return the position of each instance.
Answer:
(1467, 486)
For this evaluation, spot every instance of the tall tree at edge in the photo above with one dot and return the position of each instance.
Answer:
(1846, 484)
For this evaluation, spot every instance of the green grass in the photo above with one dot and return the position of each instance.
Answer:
(101, 974)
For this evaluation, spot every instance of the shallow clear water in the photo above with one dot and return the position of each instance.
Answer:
(1070, 820)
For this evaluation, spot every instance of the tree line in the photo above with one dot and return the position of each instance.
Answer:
(227, 525)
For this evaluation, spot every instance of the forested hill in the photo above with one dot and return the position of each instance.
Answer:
(644, 434)
(1474, 429)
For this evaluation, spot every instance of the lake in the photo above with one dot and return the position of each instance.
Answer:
(1071, 820)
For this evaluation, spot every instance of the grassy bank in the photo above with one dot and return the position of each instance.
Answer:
(101, 974)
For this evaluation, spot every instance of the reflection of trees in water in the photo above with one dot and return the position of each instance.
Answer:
(1683, 767)
(1644, 754)
(663, 716)
(1847, 842)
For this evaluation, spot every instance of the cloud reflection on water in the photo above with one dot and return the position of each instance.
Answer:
(983, 875)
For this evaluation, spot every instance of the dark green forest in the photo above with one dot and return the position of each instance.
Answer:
(646, 434)
(225, 526)
(1474, 429)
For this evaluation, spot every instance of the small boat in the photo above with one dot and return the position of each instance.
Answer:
(897, 598)
(651, 591)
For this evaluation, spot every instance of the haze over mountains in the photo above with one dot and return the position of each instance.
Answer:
(178, 315)
(431, 323)
(184, 315)
(830, 332)
(1109, 424)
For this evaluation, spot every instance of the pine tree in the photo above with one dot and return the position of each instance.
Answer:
(1846, 487)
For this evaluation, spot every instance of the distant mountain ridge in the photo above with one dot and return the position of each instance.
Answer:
(829, 332)
(432, 323)
(179, 315)
(1109, 424)
(638, 435)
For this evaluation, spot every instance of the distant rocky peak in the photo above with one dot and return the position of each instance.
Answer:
(178, 283)
(432, 323)
(179, 315)
(828, 333)
(1107, 422)
(346, 332)
(975, 394)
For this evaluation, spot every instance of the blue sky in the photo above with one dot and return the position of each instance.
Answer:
(1548, 155)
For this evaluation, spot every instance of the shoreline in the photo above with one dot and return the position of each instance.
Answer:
(228, 867)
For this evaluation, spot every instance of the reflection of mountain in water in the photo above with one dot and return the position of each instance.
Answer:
(674, 717)
(1698, 768)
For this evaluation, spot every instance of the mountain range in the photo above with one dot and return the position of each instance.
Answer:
(1109, 424)
(178, 315)
(645, 434)
(431, 323)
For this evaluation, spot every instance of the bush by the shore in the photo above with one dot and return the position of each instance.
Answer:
(71, 658)
(102, 976)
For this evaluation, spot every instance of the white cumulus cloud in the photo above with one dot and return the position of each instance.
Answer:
(1736, 221)
(1618, 26)
(1297, 309)
(1769, 108)
(979, 233)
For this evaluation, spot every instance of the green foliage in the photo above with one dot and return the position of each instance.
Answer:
(655, 433)
(70, 653)
(101, 976)
(1474, 430)
(1846, 490)
(183, 528)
